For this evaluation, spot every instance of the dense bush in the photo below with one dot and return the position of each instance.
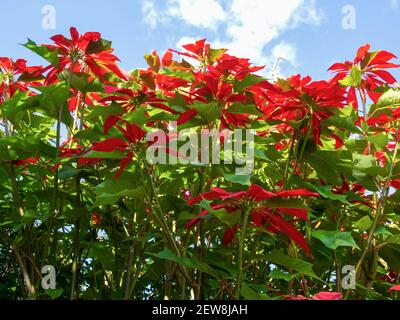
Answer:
(77, 191)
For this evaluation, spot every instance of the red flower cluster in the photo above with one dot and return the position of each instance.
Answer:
(261, 214)
(302, 100)
(86, 53)
(367, 72)
(16, 75)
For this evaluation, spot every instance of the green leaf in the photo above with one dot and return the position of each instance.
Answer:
(16, 107)
(240, 108)
(194, 263)
(380, 140)
(178, 101)
(326, 192)
(137, 117)
(214, 54)
(67, 171)
(364, 169)
(99, 251)
(390, 98)
(104, 155)
(54, 98)
(244, 180)
(180, 74)
(324, 167)
(49, 55)
(231, 219)
(248, 293)
(278, 274)
(278, 257)
(20, 148)
(393, 239)
(368, 293)
(81, 81)
(353, 79)
(248, 81)
(335, 239)
(111, 190)
(54, 293)
(163, 116)
(363, 224)
(98, 46)
(207, 111)
(344, 119)
(105, 111)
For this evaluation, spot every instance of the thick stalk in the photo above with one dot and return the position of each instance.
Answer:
(76, 262)
(29, 287)
(379, 210)
(53, 204)
(159, 216)
(338, 273)
(243, 229)
(129, 271)
(201, 278)
(285, 175)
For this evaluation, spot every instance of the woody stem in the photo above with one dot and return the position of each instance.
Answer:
(158, 214)
(239, 277)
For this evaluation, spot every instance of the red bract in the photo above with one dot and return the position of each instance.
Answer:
(356, 188)
(86, 53)
(129, 99)
(325, 295)
(395, 183)
(132, 134)
(394, 288)
(390, 277)
(198, 50)
(27, 161)
(228, 68)
(79, 99)
(372, 66)
(301, 99)
(95, 219)
(261, 214)
(215, 82)
(16, 75)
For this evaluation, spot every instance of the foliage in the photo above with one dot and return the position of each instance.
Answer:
(77, 192)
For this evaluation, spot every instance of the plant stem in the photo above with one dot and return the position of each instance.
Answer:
(240, 252)
(158, 214)
(29, 287)
(292, 143)
(201, 278)
(379, 210)
(338, 272)
(76, 262)
(129, 271)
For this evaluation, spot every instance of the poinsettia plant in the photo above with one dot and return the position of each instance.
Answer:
(317, 216)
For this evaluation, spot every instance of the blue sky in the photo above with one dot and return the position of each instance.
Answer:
(308, 33)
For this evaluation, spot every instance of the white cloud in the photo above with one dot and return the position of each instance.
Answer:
(280, 53)
(247, 27)
(199, 13)
(150, 15)
(285, 51)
